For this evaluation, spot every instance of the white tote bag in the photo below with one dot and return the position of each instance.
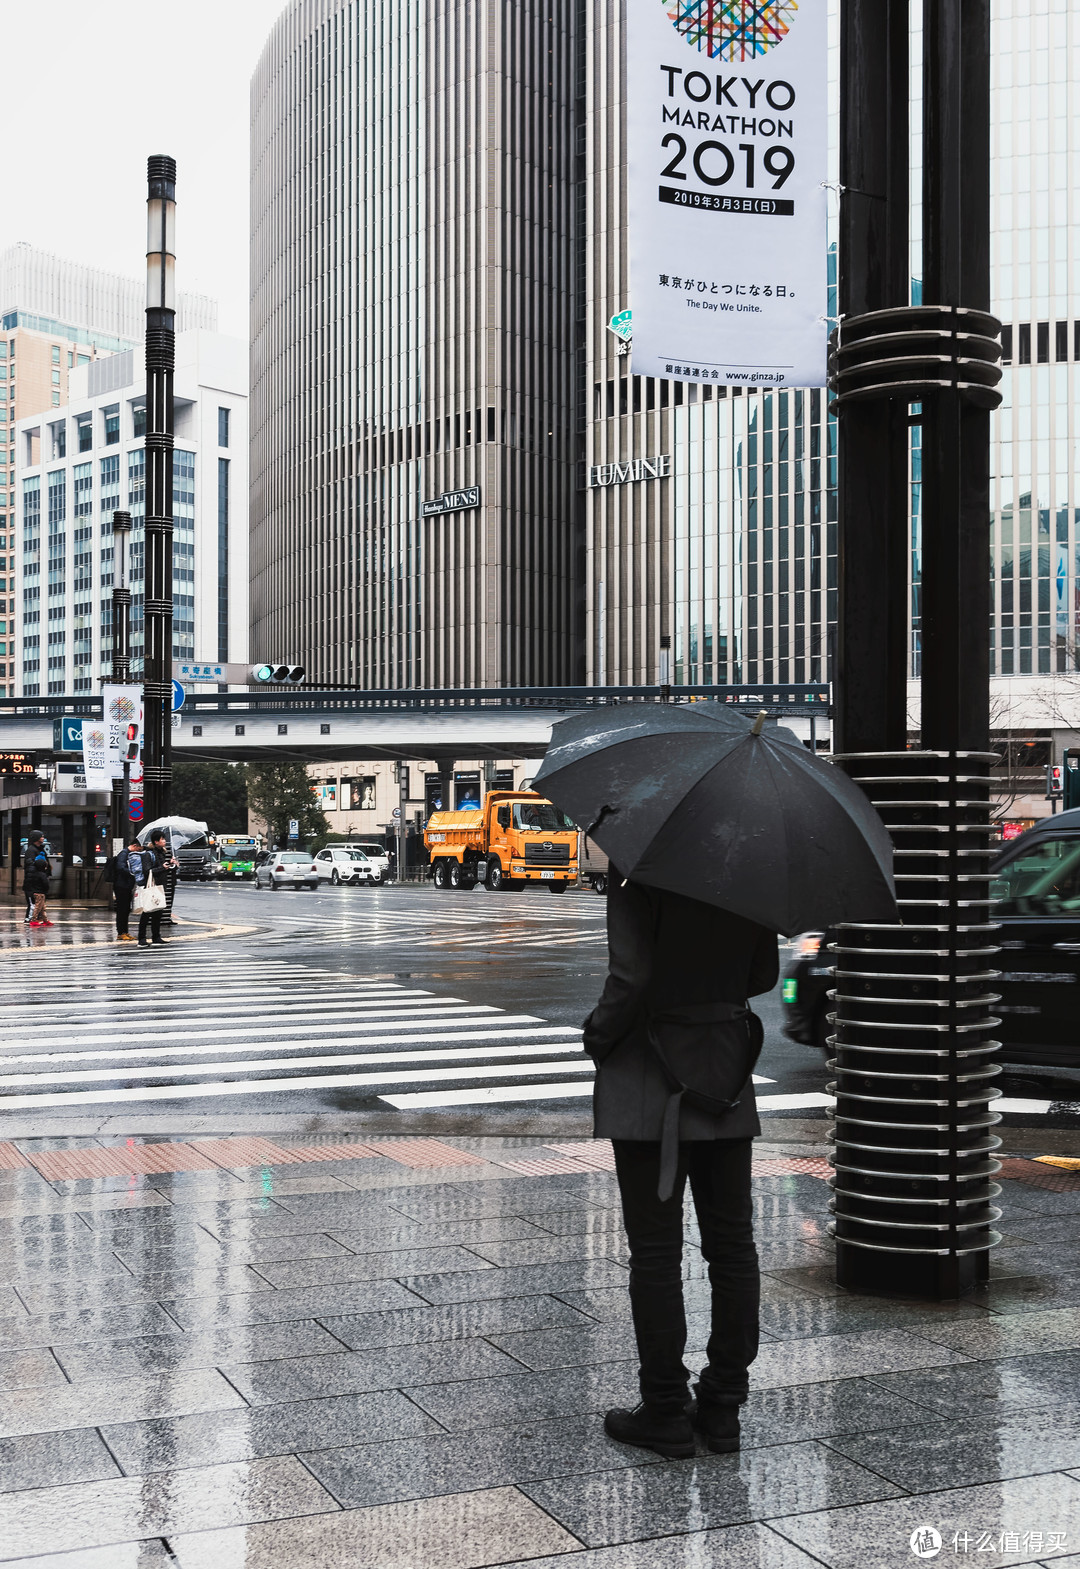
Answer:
(149, 897)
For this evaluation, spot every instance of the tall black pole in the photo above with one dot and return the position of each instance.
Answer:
(160, 362)
(872, 446)
(121, 655)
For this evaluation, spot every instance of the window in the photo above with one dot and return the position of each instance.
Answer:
(1006, 345)
(1061, 341)
(138, 420)
(1042, 342)
(55, 398)
(71, 359)
(223, 427)
(56, 354)
(1024, 336)
(1043, 880)
(111, 416)
(58, 435)
(56, 378)
(84, 431)
(238, 730)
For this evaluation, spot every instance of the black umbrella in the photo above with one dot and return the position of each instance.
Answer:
(700, 800)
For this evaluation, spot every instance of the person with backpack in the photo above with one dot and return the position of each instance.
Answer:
(157, 861)
(128, 873)
(674, 1044)
(36, 873)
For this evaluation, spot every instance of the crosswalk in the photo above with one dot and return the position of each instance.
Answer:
(87, 1032)
(457, 921)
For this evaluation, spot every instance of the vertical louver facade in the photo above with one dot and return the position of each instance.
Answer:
(413, 317)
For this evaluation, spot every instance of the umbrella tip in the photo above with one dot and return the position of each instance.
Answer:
(759, 723)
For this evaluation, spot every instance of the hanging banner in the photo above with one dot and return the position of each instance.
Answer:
(727, 155)
(116, 736)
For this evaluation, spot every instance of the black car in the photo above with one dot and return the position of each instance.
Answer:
(1037, 884)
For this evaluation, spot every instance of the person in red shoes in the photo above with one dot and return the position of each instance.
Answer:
(36, 874)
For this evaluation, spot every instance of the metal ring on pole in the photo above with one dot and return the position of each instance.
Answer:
(913, 351)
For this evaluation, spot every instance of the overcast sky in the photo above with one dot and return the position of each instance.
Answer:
(96, 86)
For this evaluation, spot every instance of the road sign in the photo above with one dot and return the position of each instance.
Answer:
(294, 828)
(397, 811)
(135, 811)
(178, 695)
(67, 734)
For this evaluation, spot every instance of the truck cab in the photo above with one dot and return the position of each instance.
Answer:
(516, 838)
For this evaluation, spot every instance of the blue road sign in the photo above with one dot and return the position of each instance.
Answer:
(135, 810)
(178, 695)
(67, 734)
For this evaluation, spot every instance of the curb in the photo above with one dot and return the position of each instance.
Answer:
(73, 947)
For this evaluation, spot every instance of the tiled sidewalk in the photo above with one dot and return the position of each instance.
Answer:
(252, 1354)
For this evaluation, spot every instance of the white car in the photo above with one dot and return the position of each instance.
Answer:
(375, 853)
(338, 865)
(287, 869)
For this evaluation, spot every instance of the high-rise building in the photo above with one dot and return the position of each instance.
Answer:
(56, 316)
(414, 505)
(80, 463)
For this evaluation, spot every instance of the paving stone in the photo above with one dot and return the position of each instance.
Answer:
(413, 1233)
(372, 1266)
(461, 1531)
(527, 1280)
(692, 1495)
(1025, 1334)
(152, 1554)
(792, 1412)
(54, 1329)
(544, 1250)
(732, 1547)
(876, 1535)
(1029, 1293)
(845, 1356)
(215, 1437)
(948, 1454)
(92, 1514)
(47, 1459)
(454, 1321)
(271, 1307)
(29, 1369)
(977, 1389)
(797, 1317)
(163, 1353)
(424, 1467)
(111, 1400)
(351, 1372)
(530, 1397)
(132, 1289)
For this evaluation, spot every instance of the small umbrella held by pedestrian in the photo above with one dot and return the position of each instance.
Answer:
(700, 799)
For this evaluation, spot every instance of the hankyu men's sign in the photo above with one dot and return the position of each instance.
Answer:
(451, 501)
(628, 473)
(726, 118)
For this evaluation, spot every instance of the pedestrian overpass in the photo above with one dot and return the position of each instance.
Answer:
(487, 724)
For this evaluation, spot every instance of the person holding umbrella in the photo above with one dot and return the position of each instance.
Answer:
(719, 835)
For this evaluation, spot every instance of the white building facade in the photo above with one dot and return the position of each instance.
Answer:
(79, 464)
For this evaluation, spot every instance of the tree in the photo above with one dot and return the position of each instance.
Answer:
(279, 792)
(212, 793)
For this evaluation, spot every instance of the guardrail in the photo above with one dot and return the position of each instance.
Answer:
(784, 695)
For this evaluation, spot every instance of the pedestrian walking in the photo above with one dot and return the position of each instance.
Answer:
(156, 861)
(36, 874)
(128, 875)
(674, 1044)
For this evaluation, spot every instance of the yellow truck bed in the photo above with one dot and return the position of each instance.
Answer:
(460, 828)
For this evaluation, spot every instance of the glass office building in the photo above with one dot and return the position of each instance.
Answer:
(414, 513)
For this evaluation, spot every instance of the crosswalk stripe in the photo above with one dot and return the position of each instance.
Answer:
(328, 1024)
(486, 1095)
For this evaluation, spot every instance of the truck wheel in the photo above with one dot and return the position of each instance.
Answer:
(438, 876)
(456, 880)
(599, 883)
(557, 887)
(495, 879)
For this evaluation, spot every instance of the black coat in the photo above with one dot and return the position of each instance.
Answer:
(666, 952)
(37, 869)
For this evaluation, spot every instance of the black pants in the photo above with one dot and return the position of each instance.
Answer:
(719, 1173)
(123, 897)
(153, 917)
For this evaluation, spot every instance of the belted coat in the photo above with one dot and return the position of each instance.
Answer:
(671, 960)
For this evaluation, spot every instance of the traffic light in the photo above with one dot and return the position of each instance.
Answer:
(276, 675)
(1055, 780)
(131, 755)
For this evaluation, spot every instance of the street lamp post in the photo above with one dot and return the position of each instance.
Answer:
(914, 1057)
(160, 362)
(121, 662)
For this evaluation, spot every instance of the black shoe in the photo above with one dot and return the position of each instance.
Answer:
(719, 1423)
(665, 1433)
(144, 944)
(160, 942)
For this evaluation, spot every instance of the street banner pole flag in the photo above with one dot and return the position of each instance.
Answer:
(105, 742)
(727, 164)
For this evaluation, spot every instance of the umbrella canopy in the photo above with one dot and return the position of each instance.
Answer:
(181, 830)
(698, 799)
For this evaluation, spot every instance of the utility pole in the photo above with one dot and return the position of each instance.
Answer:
(121, 665)
(160, 363)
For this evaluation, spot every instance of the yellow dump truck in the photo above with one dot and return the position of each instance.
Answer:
(514, 839)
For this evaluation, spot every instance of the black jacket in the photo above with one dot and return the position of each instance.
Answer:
(36, 869)
(667, 952)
